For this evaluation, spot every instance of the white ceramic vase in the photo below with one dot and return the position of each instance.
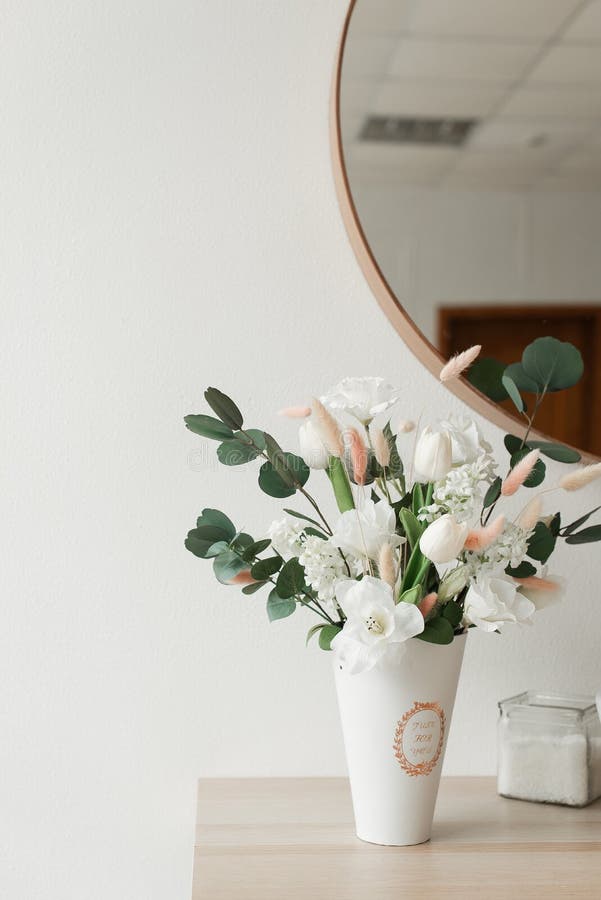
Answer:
(395, 723)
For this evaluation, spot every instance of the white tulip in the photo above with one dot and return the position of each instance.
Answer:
(491, 603)
(375, 626)
(433, 455)
(443, 540)
(311, 446)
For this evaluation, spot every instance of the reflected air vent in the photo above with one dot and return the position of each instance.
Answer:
(402, 130)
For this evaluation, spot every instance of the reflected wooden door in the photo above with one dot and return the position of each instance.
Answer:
(504, 331)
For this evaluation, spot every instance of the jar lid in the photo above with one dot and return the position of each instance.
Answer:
(541, 705)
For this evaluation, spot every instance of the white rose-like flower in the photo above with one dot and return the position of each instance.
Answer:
(311, 446)
(374, 625)
(362, 532)
(491, 603)
(433, 455)
(443, 540)
(362, 398)
(285, 536)
(466, 440)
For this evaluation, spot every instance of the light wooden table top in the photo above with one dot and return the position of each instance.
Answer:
(289, 838)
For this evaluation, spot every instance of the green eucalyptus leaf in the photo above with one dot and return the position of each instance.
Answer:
(219, 520)
(556, 451)
(227, 565)
(242, 542)
(437, 631)
(208, 427)
(279, 607)
(265, 568)
(216, 549)
(235, 453)
(251, 436)
(453, 613)
(541, 544)
(537, 475)
(197, 545)
(298, 515)
(316, 532)
(514, 444)
(553, 364)
(493, 493)
(312, 631)
(512, 389)
(486, 375)
(524, 570)
(255, 548)
(395, 466)
(522, 381)
(578, 522)
(224, 407)
(272, 483)
(291, 580)
(555, 525)
(586, 536)
(327, 635)
(253, 588)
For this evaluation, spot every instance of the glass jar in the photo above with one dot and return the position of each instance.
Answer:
(549, 749)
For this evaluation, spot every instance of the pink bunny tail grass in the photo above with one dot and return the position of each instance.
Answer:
(530, 515)
(386, 565)
(426, 605)
(358, 454)
(381, 446)
(405, 426)
(573, 481)
(243, 578)
(519, 473)
(534, 583)
(459, 363)
(295, 412)
(327, 429)
(481, 538)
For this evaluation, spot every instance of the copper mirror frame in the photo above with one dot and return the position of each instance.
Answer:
(425, 352)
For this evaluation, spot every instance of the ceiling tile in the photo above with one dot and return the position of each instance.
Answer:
(522, 19)
(587, 24)
(569, 64)
(530, 134)
(367, 54)
(417, 58)
(426, 98)
(564, 102)
(502, 179)
(380, 16)
(503, 160)
(397, 156)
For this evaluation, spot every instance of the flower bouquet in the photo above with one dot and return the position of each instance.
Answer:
(422, 546)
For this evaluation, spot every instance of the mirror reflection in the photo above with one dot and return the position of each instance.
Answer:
(471, 135)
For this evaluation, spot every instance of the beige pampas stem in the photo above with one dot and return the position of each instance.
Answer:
(386, 565)
(530, 515)
(380, 445)
(328, 429)
(295, 412)
(358, 454)
(576, 480)
(519, 473)
(459, 363)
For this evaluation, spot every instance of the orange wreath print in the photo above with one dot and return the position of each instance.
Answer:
(424, 767)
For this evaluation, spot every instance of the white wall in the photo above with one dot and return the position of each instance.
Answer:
(169, 221)
(450, 247)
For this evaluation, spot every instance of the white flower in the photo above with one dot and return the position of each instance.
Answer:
(443, 540)
(466, 440)
(285, 536)
(325, 567)
(362, 398)
(374, 625)
(433, 455)
(509, 549)
(491, 603)
(462, 490)
(362, 532)
(311, 446)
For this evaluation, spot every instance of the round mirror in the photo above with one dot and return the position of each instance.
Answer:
(467, 145)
